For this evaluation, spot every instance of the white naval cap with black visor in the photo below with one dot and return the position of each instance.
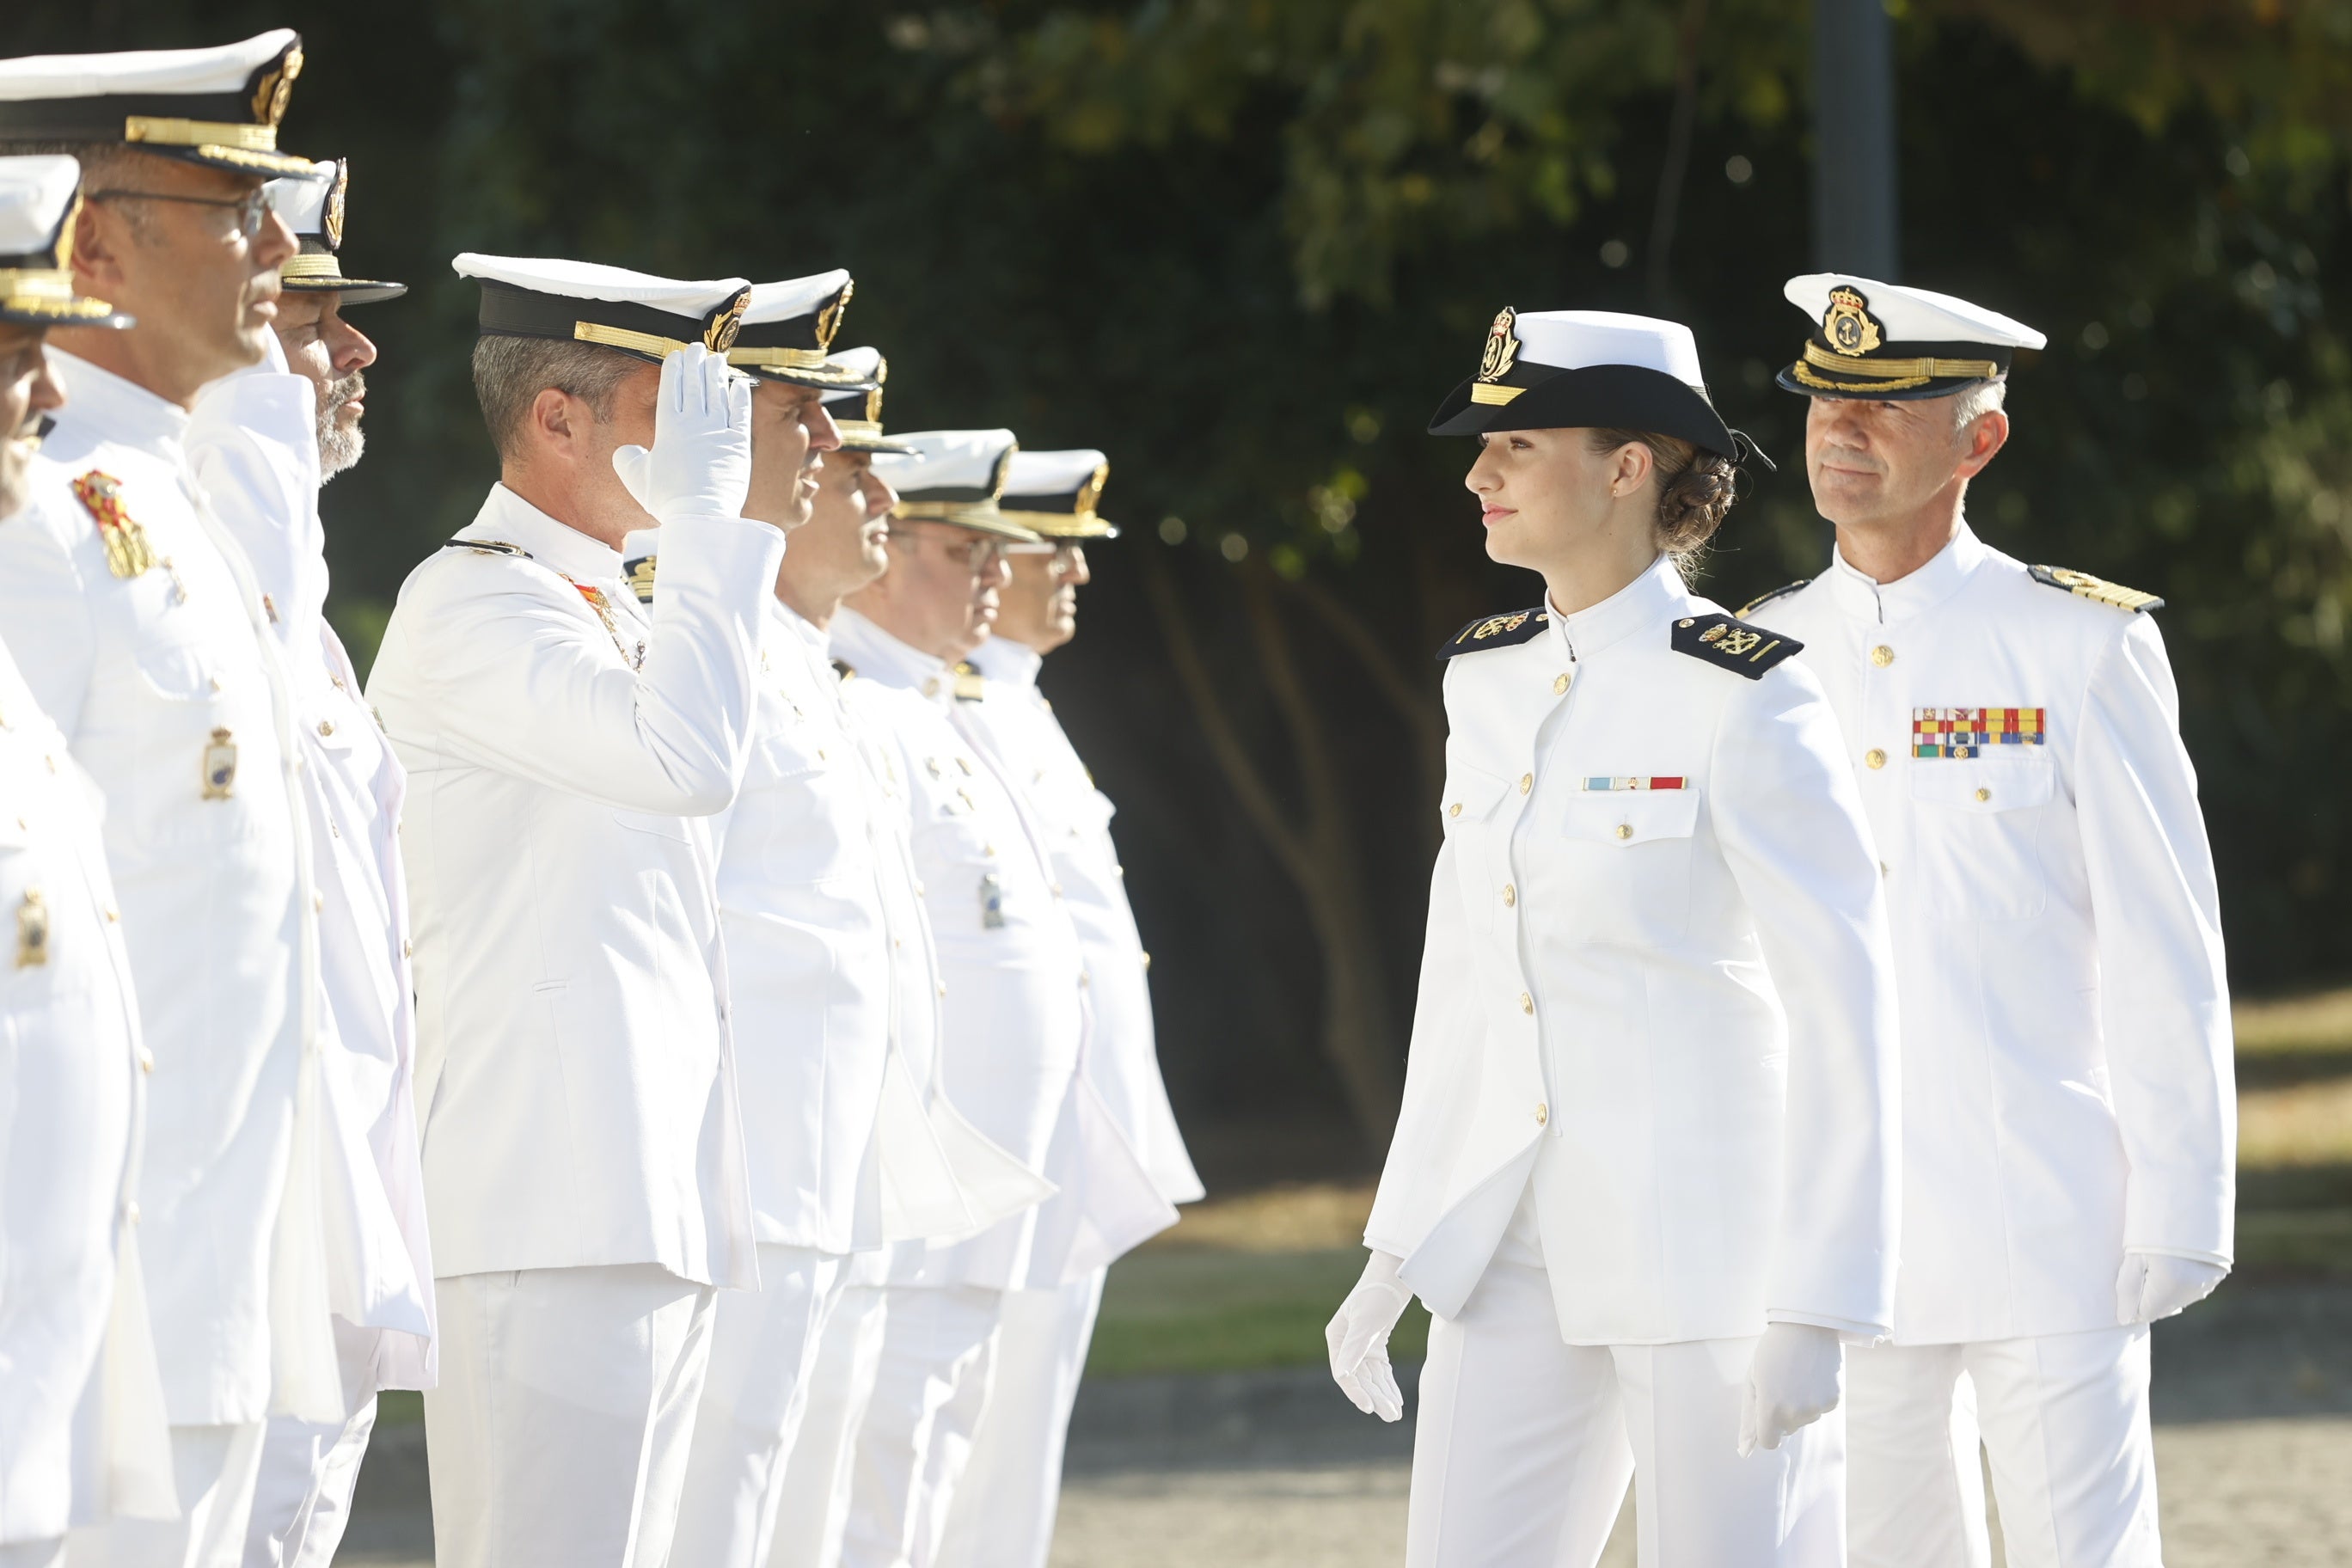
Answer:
(610, 307)
(788, 330)
(40, 198)
(955, 477)
(857, 409)
(1567, 370)
(1056, 493)
(218, 107)
(1892, 343)
(313, 209)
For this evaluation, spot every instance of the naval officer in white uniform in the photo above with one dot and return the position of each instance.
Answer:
(2069, 1108)
(1004, 1513)
(583, 1152)
(78, 1373)
(141, 629)
(262, 442)
(1644, 1172)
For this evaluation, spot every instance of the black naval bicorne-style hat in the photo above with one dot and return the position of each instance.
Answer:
(313, 209)
(788, 330)
(611, 307)
(1056, 493)
(861, 430)
(1891, 344)
(40, 198)
(1566, 370)
(218, 107)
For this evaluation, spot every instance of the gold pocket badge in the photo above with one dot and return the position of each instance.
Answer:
(128, 551)
(32, 930)
(220, 766)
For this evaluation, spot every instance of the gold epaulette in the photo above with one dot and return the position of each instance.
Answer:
(2082, 585)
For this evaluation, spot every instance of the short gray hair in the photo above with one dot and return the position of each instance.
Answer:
(510, 372)
(1983, 397)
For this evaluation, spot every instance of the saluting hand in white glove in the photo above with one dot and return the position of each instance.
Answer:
(700, 465)
(1797, 1376)
(2154, 1285)
(1358, 1336)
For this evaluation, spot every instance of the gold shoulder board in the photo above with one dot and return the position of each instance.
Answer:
(2082, 585)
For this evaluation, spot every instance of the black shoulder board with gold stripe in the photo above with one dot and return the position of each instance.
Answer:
(639, 570)
(970, 687)
(1496, 631)
(1761, 600)
(844, 668)
(1721, 639)
(2082, 585)
(488, 547)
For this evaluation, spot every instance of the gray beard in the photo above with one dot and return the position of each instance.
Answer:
(339, 448)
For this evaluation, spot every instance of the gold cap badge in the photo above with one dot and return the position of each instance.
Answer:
(1502, 346)
(1848, 324)
(828, 321)
(270, 95)
(720, 335)
(334, 214)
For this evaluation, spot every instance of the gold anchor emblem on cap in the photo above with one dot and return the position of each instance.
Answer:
(1848, 324)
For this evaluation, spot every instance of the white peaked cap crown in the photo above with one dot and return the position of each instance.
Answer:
(593, 281)
(224, 68)
(303, 203)
(1911, 315)
(35, 194)
(859, 364)
(1052, 473)
(1578, 340)
(957, 460)
(794, 297)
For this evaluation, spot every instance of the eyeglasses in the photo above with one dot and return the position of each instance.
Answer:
(977, 554)
(251, 208)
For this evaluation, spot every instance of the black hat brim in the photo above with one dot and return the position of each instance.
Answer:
(234, 160)
(354, 290)
(850, 443)
(819, 378)
(1600, 396)
(78, 311)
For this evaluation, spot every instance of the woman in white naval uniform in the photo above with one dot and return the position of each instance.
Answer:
(1643, 1174)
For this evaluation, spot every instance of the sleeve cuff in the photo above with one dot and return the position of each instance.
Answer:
(2217, 1259)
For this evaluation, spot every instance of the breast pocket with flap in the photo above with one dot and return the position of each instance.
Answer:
(1628, 856)
(1976, 826)
(1480, 833)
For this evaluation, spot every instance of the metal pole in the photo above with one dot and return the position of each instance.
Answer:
(1853, 135)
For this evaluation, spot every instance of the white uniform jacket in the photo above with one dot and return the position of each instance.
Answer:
(1658, 977)
(574, 1070)
(1122, 1056)
(73, 1320)
(834, 979)
(139, 629)
(1014, 1008)
(2066, 1050)
(252, 440)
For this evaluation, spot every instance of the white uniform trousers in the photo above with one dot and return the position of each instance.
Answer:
(1525, 1442)
(302, 1502)
(818, 1469)
(2066, 1427)
(213, 1469)
(762, 1348)
(559, 1431)
(1004, 1512)
(47, 1553)
(939, 1357)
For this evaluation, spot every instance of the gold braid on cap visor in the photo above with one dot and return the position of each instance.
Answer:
(1887, 374)
(317, 264)
(206, 135)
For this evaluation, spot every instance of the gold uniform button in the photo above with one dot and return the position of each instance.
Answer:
(1874, 757)
(1146, 964)
(1984, 795)
(1625, 830)
(407, 948)
(326, 726)
(318, 902)
(146, 1059)
(1527, 1005)
(1559, 683)
(1453, 810)
(931, 687)
(130, 1211)
(113, 914)
(1510, 895)
(1084, 980)
(1543, 1113)
(1881, 656)
(943, 987)
(1526, 783)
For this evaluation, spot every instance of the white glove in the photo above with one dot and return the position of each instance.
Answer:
(1358, 1336)
(2154, 1285)
(1797, 1376)
(700, 465)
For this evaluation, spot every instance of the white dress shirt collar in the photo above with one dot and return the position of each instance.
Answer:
(875, 655)
(1010, 663)
(507, 518)
(122, 411)
(1648, 600)
(1866, 599)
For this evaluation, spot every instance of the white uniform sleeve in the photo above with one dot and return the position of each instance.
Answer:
(45, 612)
(2164, 993)
(1444, 1023)
(506, 674)
(1789, 819)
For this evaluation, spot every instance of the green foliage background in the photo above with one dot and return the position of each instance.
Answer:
(1246, 245)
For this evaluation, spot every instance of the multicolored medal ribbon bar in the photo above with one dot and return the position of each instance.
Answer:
(1965, 731)
(1600, 783)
